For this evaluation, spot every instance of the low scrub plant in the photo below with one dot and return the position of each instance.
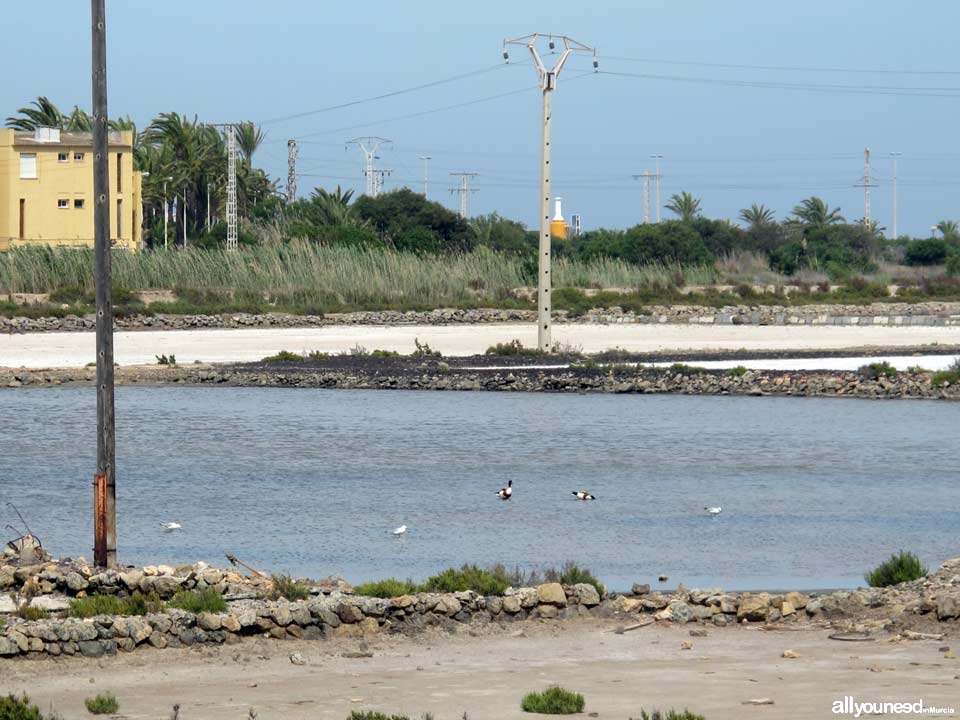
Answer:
(684, 368)
(553, 701)
(93, 605)
(374, 715)
(18, 708)
(384, 354)
(950, 376)
(669, 715)
(102, 704)
(877, 370)
(389, 588)
(284, 356)
(423, 349)
(32, 612)
(573, 574)
(166, 359)
(198, 601)
(514, 347)
(285, 586)
(469, 577)
(900, 568)
(738, 371)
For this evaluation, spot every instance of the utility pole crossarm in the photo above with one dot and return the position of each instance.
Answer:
(464, 190)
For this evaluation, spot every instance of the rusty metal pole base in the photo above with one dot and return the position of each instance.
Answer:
(100, 521)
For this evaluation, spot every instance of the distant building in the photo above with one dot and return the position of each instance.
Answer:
(46, 189)
(558, 226)
(576, 224)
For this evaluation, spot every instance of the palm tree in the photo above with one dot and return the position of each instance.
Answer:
(43, 114)
(249, 138)
(684, 205)
(757, 215)
(950, 229)
(814, 211)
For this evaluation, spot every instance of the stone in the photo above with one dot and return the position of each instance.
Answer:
(680, 612)
(700, 597)
(51, 603)
(91, 648)
(34, 644)
(132, 579)
(754, 607)
(165, 586)
(282, 616)
(209, 621)
(369, 626)
(814, 606)
(7, 577)
(403, 601)
(728, 604)
(211, 576)
(698, 632)
(52, 649)
(247, 618)
(787, 608)
(798, 600)
(529, 597)
(7, 605)
(640, 589)
(548, 612)
(686, 645)
(494, 605)
(552, 594)
(448, 605)
(330, 618)
(511, 604)
(297, 659)
(295, 631)
(230, 623)
(656, 601)
(665, 614)
(349, 613)
(586, 594)
(629, 605)
(158, 640)
(8, 648)
(76, 582)
(948, 607)
(791, 654)
(126, 644)
(136, 629)
(301, 616)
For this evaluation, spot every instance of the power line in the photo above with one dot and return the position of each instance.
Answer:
(784, 68)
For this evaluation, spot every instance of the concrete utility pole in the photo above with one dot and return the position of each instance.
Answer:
(232, 234)
(895, 156)
(104, 479)
(291, 171)
(657, 159)
(866, 183)
(645, 176)
(426, 173)
(369, 146)
(548, 83)
(463, 189)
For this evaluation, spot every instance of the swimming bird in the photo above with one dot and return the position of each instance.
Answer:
(505, 493)
(714, 510)
(400, 530)
(583, 495)
(171, 526)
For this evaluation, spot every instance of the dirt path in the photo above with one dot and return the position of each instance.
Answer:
(486, 676)
(35, 350)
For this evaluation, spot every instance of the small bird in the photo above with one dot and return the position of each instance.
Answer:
(583, 495)
(171, 526)
(714, 510)
(400, 530)
(505, 493)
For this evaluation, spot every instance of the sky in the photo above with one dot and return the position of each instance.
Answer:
(748, 101)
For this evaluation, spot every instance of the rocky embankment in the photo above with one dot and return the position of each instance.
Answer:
(417, 374)
(893, 314)
(332, 610)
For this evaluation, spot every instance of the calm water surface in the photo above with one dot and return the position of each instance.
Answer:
(311, 481)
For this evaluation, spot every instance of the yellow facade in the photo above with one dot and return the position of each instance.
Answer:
(46, 189)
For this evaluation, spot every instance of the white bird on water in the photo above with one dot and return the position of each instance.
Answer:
(400, 530)
(714, 510)
(171, 526)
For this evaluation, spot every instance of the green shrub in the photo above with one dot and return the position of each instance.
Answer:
(950, 376)
(166, 360)
(573, 574)
(198, 601)
(877, 370)
(283, 356)
(374, 715)
(423, 349)
(31, 612)
(553, 701)
(738, 371)
(953, 265)
(18, 708)
(669, 715)
(929, 251)
(389, 588)
(684, 368)
(286, 587)
(136, 604)
(469, 577)
(514, 347)
(898, 569)
(384, 354)
(103, 704)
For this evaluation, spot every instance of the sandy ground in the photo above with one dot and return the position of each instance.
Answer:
(486, 676)
(35, 350)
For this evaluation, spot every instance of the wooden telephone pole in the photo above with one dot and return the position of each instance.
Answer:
(104, 481)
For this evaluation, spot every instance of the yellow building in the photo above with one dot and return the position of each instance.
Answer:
(46, 189)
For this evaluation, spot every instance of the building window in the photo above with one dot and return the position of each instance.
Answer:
(63, 157)
(28, 166)
(78, 157)
(63, 204)
(119, 172)
(78, 204)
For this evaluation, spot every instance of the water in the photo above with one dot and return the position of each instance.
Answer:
(310, 482)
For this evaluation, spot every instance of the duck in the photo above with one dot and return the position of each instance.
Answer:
(583, 495)
(713, 510)
(505, 493)
(171, 526)
(400, 530)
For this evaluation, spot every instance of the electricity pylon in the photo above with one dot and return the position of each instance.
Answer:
(369, 146)
(463, 189)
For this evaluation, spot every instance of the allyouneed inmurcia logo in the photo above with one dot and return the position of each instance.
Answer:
(849, 706)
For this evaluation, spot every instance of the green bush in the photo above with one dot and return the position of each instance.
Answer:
(18, 708)
(198, 601)
(573, 574)
(166, 360)
(469, 577)
(900, 568)
(389, 588)
(877, 370)
(514, 347)
(669, 715)
(684, 368)
(102, 704)
(136, 604)
(738, 371)
(384, 354)
(553, 701)
(283, 356)
(286, 587)
(31, 612)
(953, 265)
(930, 251)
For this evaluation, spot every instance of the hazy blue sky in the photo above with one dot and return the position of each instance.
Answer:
(729, 144)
